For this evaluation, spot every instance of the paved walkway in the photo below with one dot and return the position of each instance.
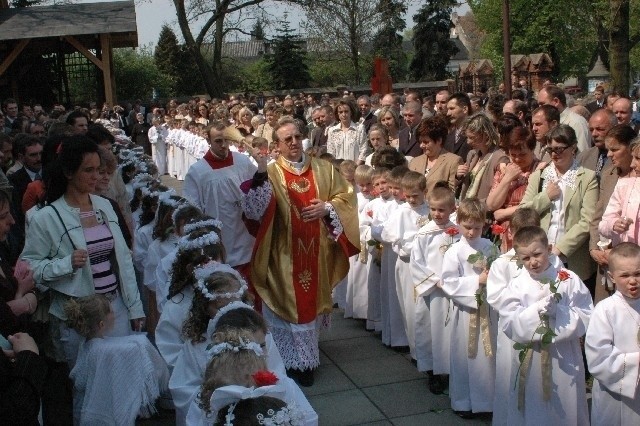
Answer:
(361, 382)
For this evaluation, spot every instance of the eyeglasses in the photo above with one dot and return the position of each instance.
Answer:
(290, 139)
(558, 150)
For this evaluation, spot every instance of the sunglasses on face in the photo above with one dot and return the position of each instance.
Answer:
(558, 150)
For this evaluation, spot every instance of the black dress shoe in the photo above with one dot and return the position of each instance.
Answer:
(465, 414)
(437, 383)
(401, 349)
(306, 378)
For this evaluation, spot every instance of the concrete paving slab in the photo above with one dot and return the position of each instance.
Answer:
(345, 408)
(379, 371)
(406, 398)
(444, 418)
(343, 329)
(354, 349)
(328, 379)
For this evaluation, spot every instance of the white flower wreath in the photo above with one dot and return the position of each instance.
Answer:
(208, 239)
(203, 272)
(213, 323)
(188, 228)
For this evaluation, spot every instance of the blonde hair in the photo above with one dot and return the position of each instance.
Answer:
(414, 180)
(230, 367)
(363, 174)
(259, 142)
(347, 166)
(442, 193)
(481, 124)
(85, 314)
(471, 209)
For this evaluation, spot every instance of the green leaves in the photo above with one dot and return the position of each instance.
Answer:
(475, 258)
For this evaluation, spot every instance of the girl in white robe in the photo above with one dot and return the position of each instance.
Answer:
(115, 379)
(219, 289)
(200, 245)
(233, 349)
(612, 344)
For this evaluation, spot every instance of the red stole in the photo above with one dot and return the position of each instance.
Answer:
(217, 163)
(305, 245)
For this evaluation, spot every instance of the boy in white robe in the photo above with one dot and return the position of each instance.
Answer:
(612, 344)
(393, 332)
(357, 294)
(400, 231)
(369, 217)
(545, 312)
(432, 329)
(503, 270)
(473, 330)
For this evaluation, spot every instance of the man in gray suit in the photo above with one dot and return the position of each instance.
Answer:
(595, 158)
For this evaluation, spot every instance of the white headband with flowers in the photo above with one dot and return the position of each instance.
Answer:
(202, 224)
(202, 241)
(213, 323)
(203, 272)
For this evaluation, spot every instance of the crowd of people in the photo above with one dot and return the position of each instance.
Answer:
(474, 234)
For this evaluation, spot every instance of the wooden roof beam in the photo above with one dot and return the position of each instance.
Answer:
(80, 48)
(13, 55)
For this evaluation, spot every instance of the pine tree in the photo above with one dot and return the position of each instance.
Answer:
(431, 40)
(257, 32)
(387, 43)
(287, 60)
(167, 53)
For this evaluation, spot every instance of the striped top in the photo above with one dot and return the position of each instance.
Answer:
(100, 246)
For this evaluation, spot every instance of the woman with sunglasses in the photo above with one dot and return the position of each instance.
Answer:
(565, 195)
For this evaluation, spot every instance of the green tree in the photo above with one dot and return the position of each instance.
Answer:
(288, 59)
(137, 75)
(387, 42)
(167, 53)
(432, 43)
(566, 30)
(189, 79)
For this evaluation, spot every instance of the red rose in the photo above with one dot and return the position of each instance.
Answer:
(452, 231)
(498, 229)
(563, 275)
(264, 378)
(370, 213)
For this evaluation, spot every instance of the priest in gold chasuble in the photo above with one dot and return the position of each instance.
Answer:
(308, 230)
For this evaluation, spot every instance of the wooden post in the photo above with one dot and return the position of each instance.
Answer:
(107, 70)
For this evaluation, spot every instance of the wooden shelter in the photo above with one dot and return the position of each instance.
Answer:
(475, 75)
(45, 36)
(534, 69)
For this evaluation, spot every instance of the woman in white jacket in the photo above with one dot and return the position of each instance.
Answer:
(75, 247)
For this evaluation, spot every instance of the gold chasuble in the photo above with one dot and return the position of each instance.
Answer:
(296, 264)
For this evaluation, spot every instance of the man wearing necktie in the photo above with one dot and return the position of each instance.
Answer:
(598, 101)
(458, 108)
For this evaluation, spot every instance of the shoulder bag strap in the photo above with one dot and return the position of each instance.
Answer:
(63, 225)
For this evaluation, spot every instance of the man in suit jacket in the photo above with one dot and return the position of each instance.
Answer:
(458, 108)
(407, 137)
(29, 150)
(326, 117)
(595, 158)
(598, 103)
(367, 117)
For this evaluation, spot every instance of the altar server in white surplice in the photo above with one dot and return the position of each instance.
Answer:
(474, 323)
(432, 327)
(400, 231)
(213, 185)
(546, 310)
(612, 344)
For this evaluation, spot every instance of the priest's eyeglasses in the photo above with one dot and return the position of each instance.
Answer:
(289, 140)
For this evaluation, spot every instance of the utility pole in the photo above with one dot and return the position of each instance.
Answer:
(506, 47)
